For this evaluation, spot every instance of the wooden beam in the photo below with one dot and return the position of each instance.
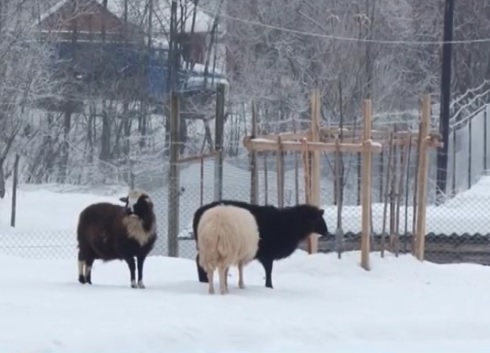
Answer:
(422, 179)
(399, 141)
(254, 171)
(375, 134)
(296, 146)
(306, 170)
(315, 197)
(198, 157)
(280, 174)
(285, 136)
(366, 186)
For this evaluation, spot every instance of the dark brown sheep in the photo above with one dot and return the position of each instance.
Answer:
(113, 232)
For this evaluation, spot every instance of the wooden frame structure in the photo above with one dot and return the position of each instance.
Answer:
(317, 140)
(310, 143)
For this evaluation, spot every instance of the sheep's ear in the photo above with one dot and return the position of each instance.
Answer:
(123, 199)
(321, 211)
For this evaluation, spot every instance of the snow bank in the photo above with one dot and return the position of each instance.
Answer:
(319, 304)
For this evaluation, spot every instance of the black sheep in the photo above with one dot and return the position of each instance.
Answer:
(280, 230)
(113, 232)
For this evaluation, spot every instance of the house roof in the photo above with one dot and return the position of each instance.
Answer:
(138, 13)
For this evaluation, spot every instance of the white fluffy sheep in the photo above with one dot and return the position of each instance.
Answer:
(228, 236)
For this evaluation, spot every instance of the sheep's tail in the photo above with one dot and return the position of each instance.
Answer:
(208, 250)
(226, 247)
(216, 244)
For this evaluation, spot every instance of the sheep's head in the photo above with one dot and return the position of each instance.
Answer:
(137, 202)
(314, 216)
(320, 225)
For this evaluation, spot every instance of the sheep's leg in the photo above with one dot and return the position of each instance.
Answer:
(201, 274)
(226, 278)
(141, 261)
(82, 264)
(132, 269)
(88, 270)
(81, 267)
(222, 280)
(211, 281)
(267, 264)
(241, 284)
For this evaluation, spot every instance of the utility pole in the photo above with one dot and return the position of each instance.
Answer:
(442, 153)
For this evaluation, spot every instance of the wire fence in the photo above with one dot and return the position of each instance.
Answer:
(456, 230)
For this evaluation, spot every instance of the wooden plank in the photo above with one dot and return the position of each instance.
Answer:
(366, 186)
(285, 136)
(315, 163)
(197, 158)
(280, 174)
(400, 141)
(422, 178)
(296, 146)
(254, 170)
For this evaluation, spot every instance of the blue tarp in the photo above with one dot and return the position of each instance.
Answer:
(118, 60)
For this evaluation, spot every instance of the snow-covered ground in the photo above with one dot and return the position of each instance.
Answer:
(319, 304)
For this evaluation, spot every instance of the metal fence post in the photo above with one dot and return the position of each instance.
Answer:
(469, 151)
(485, 116)
(219, 127)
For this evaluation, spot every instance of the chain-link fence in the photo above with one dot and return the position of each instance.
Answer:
(456, 230)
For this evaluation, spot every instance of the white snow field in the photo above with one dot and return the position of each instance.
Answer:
(319, 304)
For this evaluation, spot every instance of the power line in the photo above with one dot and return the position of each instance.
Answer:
(341, 38)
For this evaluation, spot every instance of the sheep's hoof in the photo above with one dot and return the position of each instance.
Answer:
(241, 285)
(211, 290)
(81, 279)
(133, 284)
(141, 284)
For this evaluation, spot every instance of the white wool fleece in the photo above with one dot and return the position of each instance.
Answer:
(226, 235)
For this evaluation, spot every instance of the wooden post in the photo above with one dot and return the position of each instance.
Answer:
(218, 142)
(280, 173)
(306, 170)
(386, 195)
(266, 181)
(403, 166)
(15, 182)
(339, 234)
(422, 178)
(254, 184)
(366, 185)
(315, 164)
(201, 184)
(296, 171)
(173, 178)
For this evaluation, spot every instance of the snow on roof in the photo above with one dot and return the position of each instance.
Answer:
(138, 13)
